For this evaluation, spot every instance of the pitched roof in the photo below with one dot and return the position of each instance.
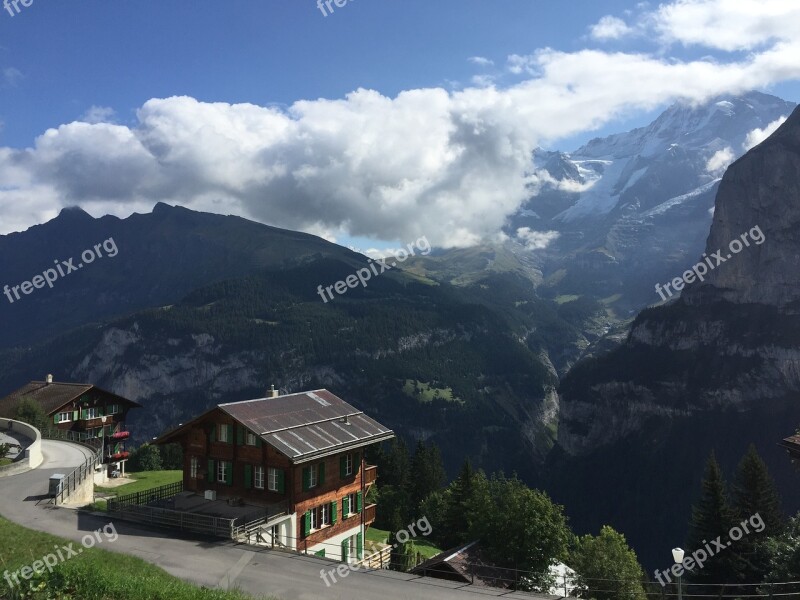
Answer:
(308, 425)
(50, 396)
(303, 426)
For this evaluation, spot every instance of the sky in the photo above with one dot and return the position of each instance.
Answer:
(375, 123)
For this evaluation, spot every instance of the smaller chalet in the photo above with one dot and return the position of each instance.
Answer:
(83, 409)
(299, 456)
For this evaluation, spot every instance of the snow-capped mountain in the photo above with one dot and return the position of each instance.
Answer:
(637, 206)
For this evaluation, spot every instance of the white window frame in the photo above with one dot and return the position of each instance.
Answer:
(348, 464)
(313, 476)
(325, 514)
(61, 416)
(351, 503)
(222, 434)
(94, 432)
(250, 438)
(272, 479)
(353, 547)
(92, 413)
(314, 523)
(258, 477)
(113, 409)
(194, 465)
(221, 472)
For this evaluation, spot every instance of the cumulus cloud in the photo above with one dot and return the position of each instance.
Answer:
(481, 61)
(450, 165)
(99, 114)
(535, 240)
(12, 76)
(720, 160)
(610, 28)
(755, 137)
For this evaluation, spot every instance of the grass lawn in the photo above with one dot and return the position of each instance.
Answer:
(421, 544)
(144, 480)
(5, 461)
(94, 575)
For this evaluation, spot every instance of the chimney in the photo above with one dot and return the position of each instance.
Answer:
(273, 393)
(49, 379)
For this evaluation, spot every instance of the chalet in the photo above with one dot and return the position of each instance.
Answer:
(303, 453)
(82, 410)
(792, 446)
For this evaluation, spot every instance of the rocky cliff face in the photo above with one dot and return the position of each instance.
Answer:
(731, 341)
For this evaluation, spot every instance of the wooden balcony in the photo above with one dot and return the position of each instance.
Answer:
(370, 475)
(370, 514)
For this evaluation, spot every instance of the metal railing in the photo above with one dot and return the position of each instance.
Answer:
(74, 479)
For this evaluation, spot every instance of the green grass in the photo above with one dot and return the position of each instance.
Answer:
(94, 575)
(425, 393)
(563, 299)
(5, 461)
(421, 544)
(144, 481)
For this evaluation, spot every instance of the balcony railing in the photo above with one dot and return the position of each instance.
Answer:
(370, 475)
(369, 514)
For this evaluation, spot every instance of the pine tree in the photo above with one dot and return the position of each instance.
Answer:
(428, 473)
(459, 500)
(712, 517)
(754, 492)
(758, 505)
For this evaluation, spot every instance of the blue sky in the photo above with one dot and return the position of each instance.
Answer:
(58, 60)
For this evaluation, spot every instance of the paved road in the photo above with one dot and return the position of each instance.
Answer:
(209, 562)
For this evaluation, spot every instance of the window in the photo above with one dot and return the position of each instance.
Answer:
(193, 467)
(352, 507)
(112, 409)
(313, 476)
(222, 471)
(223, 433)
(259, 477)
(315, 519)
(321, 516)
(64, 417)
(348, 464)
(273, 480)
(250, 438)
(94, 432)
(91, 413)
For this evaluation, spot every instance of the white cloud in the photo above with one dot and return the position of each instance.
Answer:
(536, 240)
(728, 25)
(481, 61)
(720, 160)
(610, 28)
(450, 165)
(755, 137)
(12, 76)
(99, 114)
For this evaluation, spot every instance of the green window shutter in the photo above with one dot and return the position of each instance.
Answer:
(334, 506)
(345, 507)
(83, 414)
(358, 502)
(229, 473)
(342, 466)
(101, 411)
(75, 415)
(356, 462)
(307, 523)
(212, 437)
(211, 470)
(258, 442)
(320, 553)
(360, 545)
(240, 435)
(230, 433)
(321, 473)
(306, 479)
(55, 419)
(248, 476)
(345, 549)
(281, 481)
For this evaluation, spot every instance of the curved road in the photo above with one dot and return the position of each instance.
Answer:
(211, 563)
